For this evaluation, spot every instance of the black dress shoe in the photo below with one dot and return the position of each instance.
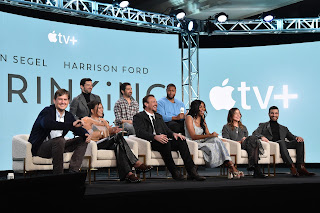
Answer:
(193, 175)
(196, 177)
(257, 173)
(177, 176)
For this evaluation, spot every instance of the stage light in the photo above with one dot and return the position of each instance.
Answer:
(221, 17)
(267, 17)
(179, 14)
(122, 4)
(189, 25)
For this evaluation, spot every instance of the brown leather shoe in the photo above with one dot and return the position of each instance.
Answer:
(293, 170)
(143, 168)
(303, 171)
(132, 179)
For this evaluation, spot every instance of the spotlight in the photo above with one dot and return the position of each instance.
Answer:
(188, 25)
(122, 4)
(221, 17)
(179, 14)
(267, 17)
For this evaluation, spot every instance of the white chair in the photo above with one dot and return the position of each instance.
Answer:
(198, 154)
(153, 158)
(276, 156)
(105, 158)
(23, 161)
(240, 156)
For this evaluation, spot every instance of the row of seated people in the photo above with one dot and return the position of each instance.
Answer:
(53, 123)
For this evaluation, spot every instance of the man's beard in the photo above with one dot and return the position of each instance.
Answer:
(170, 98)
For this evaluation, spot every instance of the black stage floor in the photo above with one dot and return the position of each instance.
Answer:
(279, 192)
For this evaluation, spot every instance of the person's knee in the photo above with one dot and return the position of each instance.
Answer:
(58, 144)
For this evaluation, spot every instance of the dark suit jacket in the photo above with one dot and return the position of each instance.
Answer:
(46, 121)
(264, 129)
(79, 107)
(143, 126)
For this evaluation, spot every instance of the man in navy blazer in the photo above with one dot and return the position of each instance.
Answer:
(49, 129)
(273, 131)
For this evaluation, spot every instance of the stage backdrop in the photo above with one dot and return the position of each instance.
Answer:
(38, 56)
(255, 78)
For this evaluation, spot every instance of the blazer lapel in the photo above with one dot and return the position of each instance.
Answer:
(84, 103)
(269, 128)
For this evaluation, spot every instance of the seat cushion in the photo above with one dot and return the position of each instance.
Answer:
(48, 161)
(157, 155)
(244, 154)
(106, 155)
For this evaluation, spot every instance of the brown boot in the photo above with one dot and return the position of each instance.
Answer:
(293, 170)
(303, 171)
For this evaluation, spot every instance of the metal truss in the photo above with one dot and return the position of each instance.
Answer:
(103, 11)
(190, 67)
(240, 27)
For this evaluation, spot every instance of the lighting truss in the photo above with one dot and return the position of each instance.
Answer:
(249, 26)
(190, 67)
(103, 11)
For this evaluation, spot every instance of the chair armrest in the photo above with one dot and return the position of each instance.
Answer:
(20, 148)
(133, 146)
(235, 148)
(144, 146)
(266, 147)
(193, 148)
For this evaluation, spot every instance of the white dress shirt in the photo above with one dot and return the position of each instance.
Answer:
(154, 117)
(57, 133)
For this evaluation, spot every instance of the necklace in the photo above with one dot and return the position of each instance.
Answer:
(96, 119)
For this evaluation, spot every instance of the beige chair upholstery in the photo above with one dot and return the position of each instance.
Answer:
(23, 161)
(198, 154)
(153, 158)
(240, 156)
(275, 151)
(107, 158)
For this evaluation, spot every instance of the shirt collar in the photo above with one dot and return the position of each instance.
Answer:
(58, 114)
(148, 113)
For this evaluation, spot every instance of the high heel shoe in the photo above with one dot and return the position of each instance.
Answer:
(233, 175)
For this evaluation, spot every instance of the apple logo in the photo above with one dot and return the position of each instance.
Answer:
(52, 37)
(220, 97)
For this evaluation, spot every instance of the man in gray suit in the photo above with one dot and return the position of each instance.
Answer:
(78, 106)
(273, 131)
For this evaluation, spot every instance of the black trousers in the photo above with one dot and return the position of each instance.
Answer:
(174, 145)
(176, 126)
(254, 148)
(54, 148)
(125, 158)
(294, 144)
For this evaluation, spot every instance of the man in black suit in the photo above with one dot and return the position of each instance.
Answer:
(273, 131)
(79, 105)
(49, 129)
(150, 126)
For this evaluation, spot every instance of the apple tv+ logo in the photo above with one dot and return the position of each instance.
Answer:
(221, 97)
(63, 39)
